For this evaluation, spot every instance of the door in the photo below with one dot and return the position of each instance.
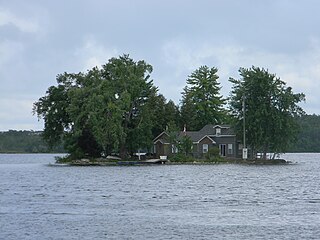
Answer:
(222, 148)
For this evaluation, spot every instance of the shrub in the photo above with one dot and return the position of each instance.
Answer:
(213, 154)
(179, 157)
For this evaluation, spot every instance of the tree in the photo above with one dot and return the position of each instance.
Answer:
(308, 139)
(129, 112)
(65, 113)
(185, 145)
(201, 102)
(269, 109)
(52, 107)
(13, 141)
(172, 114)
(166, 114)
(104, 110)
(188, 113)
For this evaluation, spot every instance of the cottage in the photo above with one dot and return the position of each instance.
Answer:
(221, 136)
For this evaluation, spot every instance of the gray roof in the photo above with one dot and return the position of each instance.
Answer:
(210, 130)
(195, 136)
(207, 131)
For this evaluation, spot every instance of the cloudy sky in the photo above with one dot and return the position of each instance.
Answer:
(42, 38)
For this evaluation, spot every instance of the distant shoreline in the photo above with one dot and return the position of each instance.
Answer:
(32, 153)
(13, 152)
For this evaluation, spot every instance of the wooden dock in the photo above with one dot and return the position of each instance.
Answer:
(149, 161)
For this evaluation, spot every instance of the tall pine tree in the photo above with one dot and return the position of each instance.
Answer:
(201, 100)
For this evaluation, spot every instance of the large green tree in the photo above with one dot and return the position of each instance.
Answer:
(53, 109)
(269, 108)
(201, 100)
(104, 110)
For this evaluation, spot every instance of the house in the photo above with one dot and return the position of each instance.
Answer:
(221, 136)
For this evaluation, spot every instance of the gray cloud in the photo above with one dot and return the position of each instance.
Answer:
(40, 39)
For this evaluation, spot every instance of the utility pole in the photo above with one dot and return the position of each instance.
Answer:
(244, 149)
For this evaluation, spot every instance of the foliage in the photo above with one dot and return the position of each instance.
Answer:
(165, 114)
(116, 109)
(213, 154)
(201, 101)
(308, 139)
(102, 111)
(269, 110)
(181, 158)
(185, 145)
(53, 109)
(25, 142)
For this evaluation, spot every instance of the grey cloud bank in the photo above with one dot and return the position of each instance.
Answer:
(40, 39)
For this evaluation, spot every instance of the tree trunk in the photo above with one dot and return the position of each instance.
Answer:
(123, 151)
(264, 156)
(265, 151)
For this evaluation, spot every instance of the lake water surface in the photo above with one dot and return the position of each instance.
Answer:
(225, 201)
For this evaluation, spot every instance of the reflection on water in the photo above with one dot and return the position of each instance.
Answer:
(159, 202)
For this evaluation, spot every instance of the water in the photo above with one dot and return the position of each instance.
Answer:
(38, 201)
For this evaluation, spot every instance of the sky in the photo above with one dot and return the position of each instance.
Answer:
(42, 38)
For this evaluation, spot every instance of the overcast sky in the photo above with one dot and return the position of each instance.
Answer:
(42, 38)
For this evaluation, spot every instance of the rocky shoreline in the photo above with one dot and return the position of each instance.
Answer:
(117, 162)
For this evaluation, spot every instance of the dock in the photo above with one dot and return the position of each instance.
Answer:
(145, 162)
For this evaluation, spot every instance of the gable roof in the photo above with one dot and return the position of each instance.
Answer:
(206, 136)
(195, 137)
(158, 138)
(210, 130)
(207, 131)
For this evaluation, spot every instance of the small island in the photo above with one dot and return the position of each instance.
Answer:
(188, 161)
(116, 110)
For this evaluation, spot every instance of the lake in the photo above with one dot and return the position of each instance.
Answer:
(226, 201)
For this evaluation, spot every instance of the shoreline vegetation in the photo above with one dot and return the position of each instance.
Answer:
(181, 161)
(26, 141)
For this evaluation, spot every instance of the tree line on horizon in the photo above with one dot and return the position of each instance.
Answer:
(117, 108)
(18, 141)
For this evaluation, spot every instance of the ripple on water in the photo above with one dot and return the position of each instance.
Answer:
(160, 202)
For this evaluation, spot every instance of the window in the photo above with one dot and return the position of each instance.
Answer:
(218, 131)
(205, 148)
(174, 149)
(230, 148)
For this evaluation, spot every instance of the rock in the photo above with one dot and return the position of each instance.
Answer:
(84, 160)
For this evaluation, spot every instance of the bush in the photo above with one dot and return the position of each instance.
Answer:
(65, 159)
(213, 155)
(181, 158)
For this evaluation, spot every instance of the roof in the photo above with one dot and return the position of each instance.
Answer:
(210, 130)
(158, 138)
(196, 136)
